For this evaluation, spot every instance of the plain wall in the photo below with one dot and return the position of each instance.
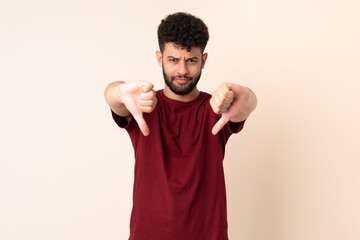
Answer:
(66, 169)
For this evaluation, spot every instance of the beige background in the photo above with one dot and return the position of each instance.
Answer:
(66, 169)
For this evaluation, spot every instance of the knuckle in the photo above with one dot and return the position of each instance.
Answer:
(230, 94)
(145, 109)
(217, 110)
(211, 101)
(152, 95)
(148, 103)
(217, 100)
(225, 86)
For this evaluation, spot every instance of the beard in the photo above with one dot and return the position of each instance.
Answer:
(181, 89)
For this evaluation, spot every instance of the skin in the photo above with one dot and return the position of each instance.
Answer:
(178, 62)
(181, 68)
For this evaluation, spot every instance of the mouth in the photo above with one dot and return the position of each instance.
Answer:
(182, 79)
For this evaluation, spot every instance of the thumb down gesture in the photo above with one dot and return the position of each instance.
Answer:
(139, 97)
(233, 102)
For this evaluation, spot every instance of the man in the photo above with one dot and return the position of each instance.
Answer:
(179, 136)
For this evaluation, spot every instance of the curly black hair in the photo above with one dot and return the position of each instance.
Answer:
(184, 30)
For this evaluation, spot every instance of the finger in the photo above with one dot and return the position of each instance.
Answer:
(220, 124)
(222, 103)
(147, 109)
(148, 95)
(142, 123)
(146, 103)
(219, 110)
(226, 95)
(218, 106)
(213, 106)
(224, 88)
(223, 96)
(229, 95)
(223, 110)
(146, 87)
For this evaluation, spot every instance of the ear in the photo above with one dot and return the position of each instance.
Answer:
(159, 58)
(203, 60)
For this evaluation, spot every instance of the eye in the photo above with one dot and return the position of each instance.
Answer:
(192, 60)
(172, 59)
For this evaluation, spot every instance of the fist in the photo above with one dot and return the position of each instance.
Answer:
(222, 98)
(139, 97)
(230, 101)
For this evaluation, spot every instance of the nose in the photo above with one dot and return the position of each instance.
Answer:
(182, 68)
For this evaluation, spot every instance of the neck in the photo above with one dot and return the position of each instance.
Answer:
(182, 98)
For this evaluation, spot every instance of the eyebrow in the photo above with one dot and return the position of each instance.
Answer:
(186, 59)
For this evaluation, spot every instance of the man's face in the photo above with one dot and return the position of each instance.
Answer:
(181, 69)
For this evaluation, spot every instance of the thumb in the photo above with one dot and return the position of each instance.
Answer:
(220, 123)
(141, 123)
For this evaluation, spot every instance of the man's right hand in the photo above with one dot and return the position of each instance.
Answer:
(137, 97)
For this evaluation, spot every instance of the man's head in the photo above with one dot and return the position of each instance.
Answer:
(183, 29)
(182, 41)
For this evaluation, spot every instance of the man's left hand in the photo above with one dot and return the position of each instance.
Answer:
(233, 102)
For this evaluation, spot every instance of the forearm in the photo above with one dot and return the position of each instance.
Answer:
(113, 99)
(249, 105)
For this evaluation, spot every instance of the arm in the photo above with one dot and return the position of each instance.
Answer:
(114, 100)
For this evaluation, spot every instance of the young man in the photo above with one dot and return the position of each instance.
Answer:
(179, 136)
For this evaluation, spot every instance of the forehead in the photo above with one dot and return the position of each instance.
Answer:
(171, 49)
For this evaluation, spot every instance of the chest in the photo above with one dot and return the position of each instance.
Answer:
(182, 129)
